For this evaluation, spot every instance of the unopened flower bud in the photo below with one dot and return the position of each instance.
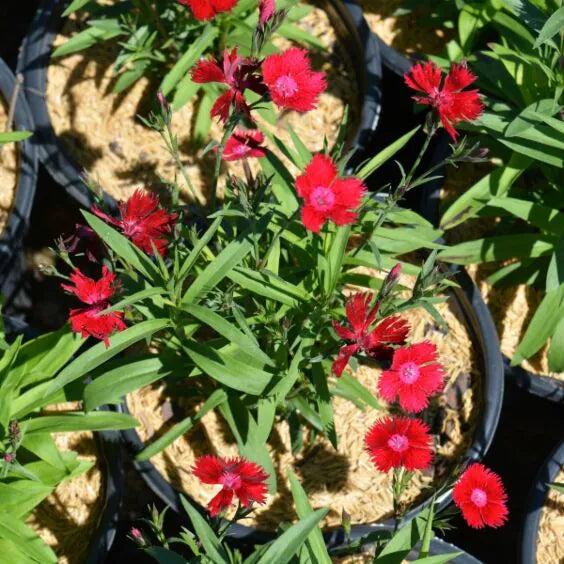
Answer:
(390, 282)
(346, 523)
(47, 269)
(8, 458)
(14, 430)
(266, 11)
(137, 536)
(162, 101)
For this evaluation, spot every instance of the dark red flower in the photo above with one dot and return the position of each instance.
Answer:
(326, 196)
(243, 145)
(414, 376)
(143, 221)
(239, 73)
(291, 82)
(396, 442)
(375, 342)
(84, 238)
(266, 11)
(237, 476)
(480, 495)
(451, 102)
(96, 293)
(207, 9)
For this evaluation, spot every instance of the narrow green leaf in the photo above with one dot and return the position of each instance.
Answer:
(556, 351)
(165, 556)
(438, 558)
(95, 421)
(13, 136)
(87, 38)
(556, 486)
(26, 540)
(553, 25)
(401, 543)
(185, 91)
(547, 219)
(335, 258)
(555, 273)
(529, 116)
(190, 261)
(74, 6)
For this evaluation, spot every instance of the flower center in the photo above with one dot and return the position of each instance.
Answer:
(397, 442)
(241, 149)
(286, 86)
(322, 198)
(230, 480)
(479, 497)
(409, 373)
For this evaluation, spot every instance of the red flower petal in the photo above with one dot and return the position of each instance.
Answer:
(340, 363)
(459, 78)
(312, 219)
(208, 469)
(222, 106)
(220, 501)
(208, 70)
(425, 77)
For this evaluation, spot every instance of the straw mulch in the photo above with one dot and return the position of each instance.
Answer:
(339, 479)
(68, 518)
(101, 132)
(550, 539)
(8, 170)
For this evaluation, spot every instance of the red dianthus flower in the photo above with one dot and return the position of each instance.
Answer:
(399, 442)
(291, 82)
(96, 293)
(452, 103)
(207, 9)
(244, 144)
(266, 11)
(480, 495)
(326, 196)
(237, 476)
(143, 221)
(376, 342)
(413, 377)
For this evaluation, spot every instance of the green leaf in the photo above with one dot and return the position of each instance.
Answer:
(285, 547)
(401, 543)
(14, 136)
(385, 154)
(438, 558)
(556, 486)
(529, 116)
(205, 535)
(553, 25)
(556, 351)
(323, 398)
(202, 123)
(185, 91)
(297, 34)
(74, 6)
(303, 152)
(335, 258)
(555, 273)
(26, 540)
(350, 388)
(20, 497)
(165, 556)
(95, 421)
(282, 182)
(198, 248)
(87, 38)
(129, 76)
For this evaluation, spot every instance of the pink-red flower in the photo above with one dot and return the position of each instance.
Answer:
(96, 293)
(266, 11)
(452, 102)
(480, 495)
(326, 196)
(238, 73)
(399, 442)
(207, 9)
(414, 376)
(243, 145)
(143, 221)
(236, 476)
(291, 82)
(376, 342)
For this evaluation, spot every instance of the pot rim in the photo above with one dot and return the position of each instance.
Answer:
(33, 62)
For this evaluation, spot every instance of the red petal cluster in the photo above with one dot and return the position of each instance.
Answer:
(326, 196)
(266, 11)
(244, 144)
(291, 82)
(376, 342)
(238, 73)
(84, 238)
(414, 376)
(237, 476)
(96, 293)
(207, 9)
(399, 442)
(452, 102)
(480, 495)
(143, 221)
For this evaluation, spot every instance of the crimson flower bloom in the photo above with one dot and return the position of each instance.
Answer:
(376, 342)
(239, 73)
(413, 377)
(266, 11)
(207, 9)
(480, 495)
(451, 102)
(326, 196)
(291, 82)
(237, 476)
(396, 442)
(244, 144)
(84, 238)
(96, 293)
(143, 221)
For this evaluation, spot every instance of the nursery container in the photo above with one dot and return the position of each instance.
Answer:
(24, 157)
(345, 18)
(543, 528)
(488, 365)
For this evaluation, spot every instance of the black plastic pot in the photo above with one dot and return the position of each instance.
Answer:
(346, 17)
(537, 498)
(482, 331)
(12, 263)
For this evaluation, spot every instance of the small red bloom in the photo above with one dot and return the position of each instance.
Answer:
(414, 376)
(237, 476)
(480, 495)
(395, 442)
(266, 10)
(207, 9)
(143, 221)
(291, 82)
(83, 237)
(326, 196)
(244, 144)
(451, 102)
(375, 342)
(96, 293)
(239, 73)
